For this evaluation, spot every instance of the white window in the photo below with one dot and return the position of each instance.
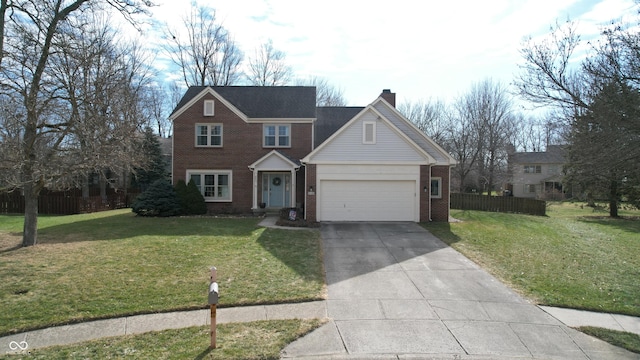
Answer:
(532, 169)
(436, 187)
(214, 185)
(277, 136)
(209, 135)
(209, 108)
(530, 188)
(368, 132)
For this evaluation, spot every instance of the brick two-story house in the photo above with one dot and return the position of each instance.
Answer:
(249, 148)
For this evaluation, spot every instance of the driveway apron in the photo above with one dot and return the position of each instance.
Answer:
(396, 291)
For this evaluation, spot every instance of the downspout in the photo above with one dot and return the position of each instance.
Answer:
(304, 191)
(429, 195)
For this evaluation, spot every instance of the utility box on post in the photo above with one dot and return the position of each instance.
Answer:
(213, 302)
(213, 293)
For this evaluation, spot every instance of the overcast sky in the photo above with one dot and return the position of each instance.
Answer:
(418, 49)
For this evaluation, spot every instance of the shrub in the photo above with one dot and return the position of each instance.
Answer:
(158, 200)
(191, 200)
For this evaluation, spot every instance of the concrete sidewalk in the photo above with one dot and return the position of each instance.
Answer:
(138, 324)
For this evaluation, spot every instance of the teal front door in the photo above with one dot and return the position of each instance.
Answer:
(276, 189)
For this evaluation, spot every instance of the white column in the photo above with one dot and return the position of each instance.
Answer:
(293, 188)
(255, 189)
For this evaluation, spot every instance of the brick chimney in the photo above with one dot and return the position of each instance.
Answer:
(389, 97)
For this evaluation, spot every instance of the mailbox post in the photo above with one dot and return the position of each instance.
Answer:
(213, 302)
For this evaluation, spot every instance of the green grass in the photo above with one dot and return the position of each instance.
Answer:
(621, 339)
(113, 263)
(256, 340)
(574, 257)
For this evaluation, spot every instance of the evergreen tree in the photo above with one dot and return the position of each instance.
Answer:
(156, 164)
(191, 200)
(158, 200)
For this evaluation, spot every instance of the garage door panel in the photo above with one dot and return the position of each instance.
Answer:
(367, 200)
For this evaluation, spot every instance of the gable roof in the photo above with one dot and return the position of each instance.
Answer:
(441, 156)
(385, 112)
(275, 157)
(329, 119)
(555, 154)
(258, 102)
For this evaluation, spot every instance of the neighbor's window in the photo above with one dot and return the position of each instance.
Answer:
(529, 188)
(209, 135)
(209, 108)
(532, 169)
(368, 132)
(213, 185)
(436, 187)
(277, 136)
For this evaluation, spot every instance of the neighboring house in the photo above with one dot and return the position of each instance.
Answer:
(249, 148)
(538, 174)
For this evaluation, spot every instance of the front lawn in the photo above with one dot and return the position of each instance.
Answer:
(113, 264)
(256, 340)
(575, 257)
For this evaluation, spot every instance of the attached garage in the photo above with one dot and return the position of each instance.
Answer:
(376, 167)
(368, 200)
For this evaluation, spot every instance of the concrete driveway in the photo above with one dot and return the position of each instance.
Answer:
(396, 291)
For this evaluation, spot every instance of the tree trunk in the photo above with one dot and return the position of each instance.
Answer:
(85, 187)
(613, 199)
(30, 230)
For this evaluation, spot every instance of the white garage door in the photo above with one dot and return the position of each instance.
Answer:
(367, 200)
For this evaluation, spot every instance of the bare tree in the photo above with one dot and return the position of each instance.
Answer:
(268, 67)
(480, 133)
(205, 53)
(598, 95)
(326, 93)
(35, 31)
(464, 141)
(430, 116)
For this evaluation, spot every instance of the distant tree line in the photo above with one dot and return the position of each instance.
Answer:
(594, 111)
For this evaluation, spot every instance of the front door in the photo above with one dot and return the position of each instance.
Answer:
(276, 189)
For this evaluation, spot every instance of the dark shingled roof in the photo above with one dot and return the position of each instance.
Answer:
(330, 119)
(555, 154)
(292, 102)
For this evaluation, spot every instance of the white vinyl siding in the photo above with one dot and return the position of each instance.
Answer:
(415, 135)
(348, 145)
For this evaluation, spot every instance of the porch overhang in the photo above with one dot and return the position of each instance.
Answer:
(274, 161)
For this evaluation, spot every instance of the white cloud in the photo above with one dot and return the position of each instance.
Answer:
(417, 48)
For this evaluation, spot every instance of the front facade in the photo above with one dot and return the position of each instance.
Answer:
(253, 148)
(538, 174)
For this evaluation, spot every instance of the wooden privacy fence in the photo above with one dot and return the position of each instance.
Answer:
(498, 203)
(11, 203)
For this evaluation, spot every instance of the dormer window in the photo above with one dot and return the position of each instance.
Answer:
(368, 132)
(209, 108)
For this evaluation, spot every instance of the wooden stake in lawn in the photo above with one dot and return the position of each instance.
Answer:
(213, 302)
